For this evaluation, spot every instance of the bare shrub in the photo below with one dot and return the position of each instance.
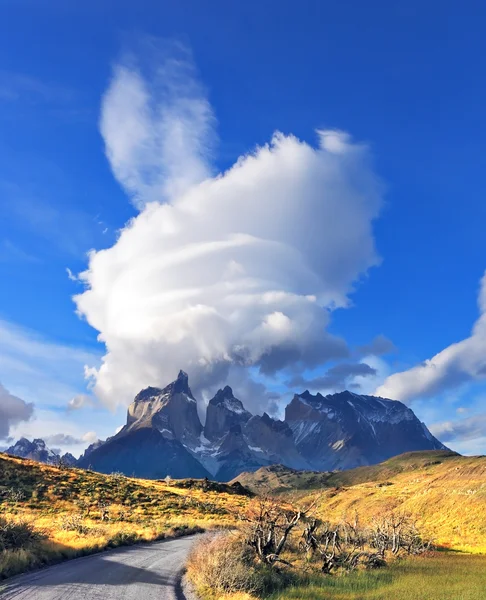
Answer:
(348, 545)
(14, 536)
(14, 494)
(397, 532)
(73, 522)
(267, 526)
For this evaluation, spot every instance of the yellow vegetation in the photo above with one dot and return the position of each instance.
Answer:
(80, 512)
(447, 497)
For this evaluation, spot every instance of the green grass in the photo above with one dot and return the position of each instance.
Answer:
(447, 576)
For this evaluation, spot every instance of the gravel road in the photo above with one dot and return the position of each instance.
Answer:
(142, 572)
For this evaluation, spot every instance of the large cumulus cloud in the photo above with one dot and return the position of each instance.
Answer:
(225, 275)
(460, 363)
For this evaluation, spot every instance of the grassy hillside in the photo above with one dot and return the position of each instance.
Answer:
(445, 491)
(71, 512)
(280, 479)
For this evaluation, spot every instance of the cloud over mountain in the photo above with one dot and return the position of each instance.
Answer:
(236, 272)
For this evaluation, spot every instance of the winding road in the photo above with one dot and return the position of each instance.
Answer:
(142, 572)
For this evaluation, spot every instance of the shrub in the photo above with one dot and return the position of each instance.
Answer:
(223, 563)
(14, 536)
(73, 522)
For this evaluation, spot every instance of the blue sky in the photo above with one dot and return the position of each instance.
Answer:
(403, 79)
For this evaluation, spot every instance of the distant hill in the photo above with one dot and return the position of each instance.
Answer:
(163, 435)
(445, 491)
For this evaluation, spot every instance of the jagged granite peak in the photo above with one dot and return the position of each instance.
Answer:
(171, 410)
(221, 395)
(35, 450)
(223, 412)
(346, 430)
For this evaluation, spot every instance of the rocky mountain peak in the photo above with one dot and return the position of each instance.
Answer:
(147, 394)
(224, 412)
(181, 384)
(221, 395)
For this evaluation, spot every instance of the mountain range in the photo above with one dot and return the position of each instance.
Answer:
(164, 436)
(37, 450)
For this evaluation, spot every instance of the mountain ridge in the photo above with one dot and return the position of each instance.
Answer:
(321, 433)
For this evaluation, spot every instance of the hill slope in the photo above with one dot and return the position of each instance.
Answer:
(76, 512)
(445, 491)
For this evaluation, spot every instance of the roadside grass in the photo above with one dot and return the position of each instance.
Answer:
(442, 576)
(77, 512)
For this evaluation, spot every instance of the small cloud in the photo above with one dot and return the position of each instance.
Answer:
(470, 428)
(377, 347)
(62, 439)
(90, 437)
(71, 275)
(66, 439)
(13, 410)
(459, 364)
(80, 401)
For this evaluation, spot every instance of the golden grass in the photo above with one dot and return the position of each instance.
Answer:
(81, 512)
(448, 499)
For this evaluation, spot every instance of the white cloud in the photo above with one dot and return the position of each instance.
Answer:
(461, 430)
(13, 410)
(224, 273)
(157, 130)
(458, 364)
(71, 275)
(79, 401)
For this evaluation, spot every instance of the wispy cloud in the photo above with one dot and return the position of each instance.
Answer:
(10, 252)
(19, 87)
(157, 124)
(41, 370)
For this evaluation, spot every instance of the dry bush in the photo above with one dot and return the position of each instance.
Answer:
(15, 536)
(73, 522)
(223, 563)
(267, 526)
(348, 545)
